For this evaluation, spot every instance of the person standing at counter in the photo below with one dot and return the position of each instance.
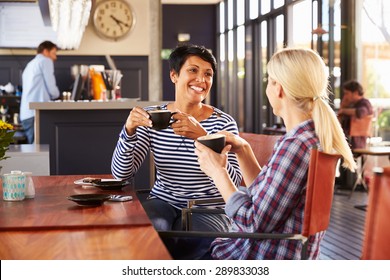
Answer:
(178, 176)
(275, 200)
(39, 85)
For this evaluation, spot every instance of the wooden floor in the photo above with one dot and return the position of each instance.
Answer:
(344, 238)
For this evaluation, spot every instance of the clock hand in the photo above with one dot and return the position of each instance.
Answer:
(117, 21)
(124, 23)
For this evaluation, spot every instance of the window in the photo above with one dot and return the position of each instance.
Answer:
(248, 36)
(373, 27)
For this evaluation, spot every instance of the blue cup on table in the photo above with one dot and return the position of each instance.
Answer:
(14, 186)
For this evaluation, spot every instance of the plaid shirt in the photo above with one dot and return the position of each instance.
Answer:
(274, 203)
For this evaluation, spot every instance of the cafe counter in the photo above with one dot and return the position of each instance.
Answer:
(82, 135)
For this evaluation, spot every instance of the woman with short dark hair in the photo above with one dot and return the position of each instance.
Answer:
(178, 176)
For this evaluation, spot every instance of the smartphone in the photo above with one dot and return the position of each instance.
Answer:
(121, 198)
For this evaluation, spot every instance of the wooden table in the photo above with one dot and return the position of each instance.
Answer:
(362, 154)
(127, 243)
(50, 226)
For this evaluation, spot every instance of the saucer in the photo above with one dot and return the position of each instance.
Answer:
(89, 199)
(110, 185)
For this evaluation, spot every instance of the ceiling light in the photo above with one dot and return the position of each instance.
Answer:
(319, 31)
(69, 19)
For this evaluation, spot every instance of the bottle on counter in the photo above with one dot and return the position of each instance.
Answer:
(30, 188)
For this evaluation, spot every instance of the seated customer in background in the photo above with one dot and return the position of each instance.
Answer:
(275, 200)
(178, 176)
(354, 104)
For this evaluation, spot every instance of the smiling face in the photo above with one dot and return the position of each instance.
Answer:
(194, 81)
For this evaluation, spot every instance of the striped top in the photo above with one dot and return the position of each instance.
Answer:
(178, 175)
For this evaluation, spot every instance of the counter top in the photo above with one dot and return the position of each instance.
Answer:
(30, 149)
(92, 105)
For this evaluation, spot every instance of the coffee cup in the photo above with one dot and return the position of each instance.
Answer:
(14, 186)
(161, 119)
(216, 141)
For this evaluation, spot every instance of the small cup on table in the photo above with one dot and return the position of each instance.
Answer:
(14, 186)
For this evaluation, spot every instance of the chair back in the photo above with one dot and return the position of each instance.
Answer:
(376, 245)
(362, 126)
(261, 144)
(319, 191)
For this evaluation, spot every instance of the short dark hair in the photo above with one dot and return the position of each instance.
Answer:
(180, 54)
(46, 45)
(353, 85)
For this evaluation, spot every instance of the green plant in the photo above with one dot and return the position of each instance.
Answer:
(6, 138)
(384, 119)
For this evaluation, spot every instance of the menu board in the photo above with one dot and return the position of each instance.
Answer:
(22, 26)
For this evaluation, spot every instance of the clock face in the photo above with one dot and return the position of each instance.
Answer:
(113, 19)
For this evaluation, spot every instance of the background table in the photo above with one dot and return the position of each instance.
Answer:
(361, 154)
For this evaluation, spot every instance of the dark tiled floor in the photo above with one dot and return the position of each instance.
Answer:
(344, 238)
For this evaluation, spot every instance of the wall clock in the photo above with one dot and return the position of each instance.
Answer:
(113, 19)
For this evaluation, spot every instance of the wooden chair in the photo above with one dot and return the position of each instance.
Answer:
(319, 196)
(262, 146)
(376, 245)
(362, 126)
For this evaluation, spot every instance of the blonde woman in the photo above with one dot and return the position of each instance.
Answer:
(274, 202)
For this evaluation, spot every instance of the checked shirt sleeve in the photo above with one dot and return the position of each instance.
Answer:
(274, 193)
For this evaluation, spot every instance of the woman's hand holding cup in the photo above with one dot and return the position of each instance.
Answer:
(236, 142)
(137, 117)
(212, 163)
(186, 125)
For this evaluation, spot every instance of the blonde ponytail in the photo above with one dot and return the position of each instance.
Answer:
(330, 133)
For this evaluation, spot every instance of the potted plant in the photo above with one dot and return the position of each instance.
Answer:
(384, 125)
(6, 138)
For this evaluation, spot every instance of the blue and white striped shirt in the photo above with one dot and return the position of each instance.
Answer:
(178, 175)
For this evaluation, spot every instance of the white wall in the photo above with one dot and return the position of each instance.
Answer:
(136, 43)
